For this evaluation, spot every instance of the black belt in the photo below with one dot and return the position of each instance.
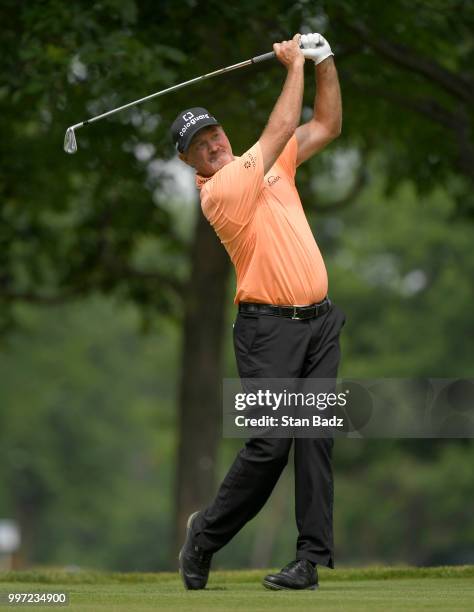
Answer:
(292, 312)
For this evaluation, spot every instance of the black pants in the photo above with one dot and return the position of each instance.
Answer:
(276, 347)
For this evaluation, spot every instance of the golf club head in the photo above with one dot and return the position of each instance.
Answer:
(70, 145)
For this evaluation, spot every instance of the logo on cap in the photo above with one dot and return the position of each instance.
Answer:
(187, 123)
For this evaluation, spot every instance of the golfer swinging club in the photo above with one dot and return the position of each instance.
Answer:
(286, 326)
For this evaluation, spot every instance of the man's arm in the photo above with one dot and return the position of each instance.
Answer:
(287, 110)
(326, 123)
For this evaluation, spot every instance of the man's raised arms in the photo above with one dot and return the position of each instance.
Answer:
(326, 123)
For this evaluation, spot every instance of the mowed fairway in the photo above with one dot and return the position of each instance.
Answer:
(442, 588)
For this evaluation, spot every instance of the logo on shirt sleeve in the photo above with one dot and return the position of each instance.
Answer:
(250, 160)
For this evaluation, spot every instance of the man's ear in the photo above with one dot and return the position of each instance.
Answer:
(183, 157)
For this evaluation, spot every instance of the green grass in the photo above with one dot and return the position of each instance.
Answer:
(375, 588)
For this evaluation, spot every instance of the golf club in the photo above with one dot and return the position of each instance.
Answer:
(70, 144)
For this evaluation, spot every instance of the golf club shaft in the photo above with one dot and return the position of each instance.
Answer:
(253, 60)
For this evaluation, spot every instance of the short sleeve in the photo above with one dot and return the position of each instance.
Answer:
(287, 159)
(232, 193)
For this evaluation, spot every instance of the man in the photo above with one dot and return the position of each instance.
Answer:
(286, 326)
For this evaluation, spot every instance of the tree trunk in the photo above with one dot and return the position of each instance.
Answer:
(200, 391)
(25, 516)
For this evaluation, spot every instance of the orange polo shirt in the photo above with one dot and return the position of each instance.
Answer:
(261, 223)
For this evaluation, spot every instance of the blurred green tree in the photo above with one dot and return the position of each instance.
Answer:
(87, 436)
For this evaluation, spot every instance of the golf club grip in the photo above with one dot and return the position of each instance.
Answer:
(264, 57)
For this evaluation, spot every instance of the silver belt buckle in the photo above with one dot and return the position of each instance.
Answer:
(295, 317)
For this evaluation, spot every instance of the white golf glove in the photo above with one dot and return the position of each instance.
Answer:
(315, 47)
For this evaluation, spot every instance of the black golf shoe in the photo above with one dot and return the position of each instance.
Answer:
(297, 575)
(194, 562)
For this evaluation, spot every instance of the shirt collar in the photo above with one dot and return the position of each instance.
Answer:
(202, 180)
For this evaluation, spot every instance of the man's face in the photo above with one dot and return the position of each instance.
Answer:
(209, 151)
